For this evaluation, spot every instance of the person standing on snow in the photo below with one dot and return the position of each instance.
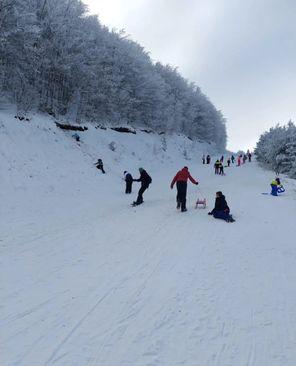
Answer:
(128, 182)
(208, 159)
(181, 179)
(145, 180)
(203, 159)
(217, 167)
(239, 160)
(221, 168)
(232, 159)
(228, 162)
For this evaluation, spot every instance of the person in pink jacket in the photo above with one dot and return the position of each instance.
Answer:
(239, 161)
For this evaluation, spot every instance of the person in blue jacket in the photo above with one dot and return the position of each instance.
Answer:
(276, 187)
(221, 209)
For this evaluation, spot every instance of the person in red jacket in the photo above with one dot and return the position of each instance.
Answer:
(181, 178)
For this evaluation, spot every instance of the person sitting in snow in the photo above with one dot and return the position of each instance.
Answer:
(145, 180)
(99, 164)
(281, 188)
(128, 182)
(221, 209)
(276, 187)
(181, 178)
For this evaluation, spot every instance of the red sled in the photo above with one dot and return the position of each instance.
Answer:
(202, 203)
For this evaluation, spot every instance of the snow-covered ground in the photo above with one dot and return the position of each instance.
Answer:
(88, 280)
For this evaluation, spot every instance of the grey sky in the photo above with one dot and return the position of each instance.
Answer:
(242, 53)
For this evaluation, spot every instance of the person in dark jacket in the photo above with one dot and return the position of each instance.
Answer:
(99, 164)
(76, 137)
(128, 182)
(221, 168)
(221, 209)
(181, 178)
(232, 159)
(228, 162)
(208, 159)
(145, 180)
(217, 167)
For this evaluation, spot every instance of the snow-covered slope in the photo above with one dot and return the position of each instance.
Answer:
(88, 280)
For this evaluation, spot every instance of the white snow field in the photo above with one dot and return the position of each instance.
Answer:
(87, 280)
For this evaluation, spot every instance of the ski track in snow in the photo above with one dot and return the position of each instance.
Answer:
(89, 280)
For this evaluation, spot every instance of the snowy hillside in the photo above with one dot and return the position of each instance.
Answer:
(88, 280)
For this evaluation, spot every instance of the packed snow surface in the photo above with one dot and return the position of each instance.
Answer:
(88, 280)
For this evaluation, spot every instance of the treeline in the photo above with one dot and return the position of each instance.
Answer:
(56, 58)
(277, 149)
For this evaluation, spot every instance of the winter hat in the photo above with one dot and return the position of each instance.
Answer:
(141, 169)
(125, 172)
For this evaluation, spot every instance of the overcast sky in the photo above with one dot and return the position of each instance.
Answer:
(242, 53)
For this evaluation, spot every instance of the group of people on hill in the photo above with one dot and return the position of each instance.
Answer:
(219, 168)
(206, 159)
(144, 179)
(221, 209)
(219, 163)
(242, 158)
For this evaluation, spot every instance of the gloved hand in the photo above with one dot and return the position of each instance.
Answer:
(196, 183)
(210, 213)
(172, 187)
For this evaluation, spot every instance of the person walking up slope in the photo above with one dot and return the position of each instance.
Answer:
(181, 179)
(99, 164)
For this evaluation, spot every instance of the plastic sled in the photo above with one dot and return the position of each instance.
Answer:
(202, 203)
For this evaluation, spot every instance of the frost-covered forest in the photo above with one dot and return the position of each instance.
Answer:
(276, 148)
(56, 58)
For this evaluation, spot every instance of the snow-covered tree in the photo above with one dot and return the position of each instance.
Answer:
(56, 58)
(277, 149)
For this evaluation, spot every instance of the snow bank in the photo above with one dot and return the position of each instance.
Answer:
(88, 280)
